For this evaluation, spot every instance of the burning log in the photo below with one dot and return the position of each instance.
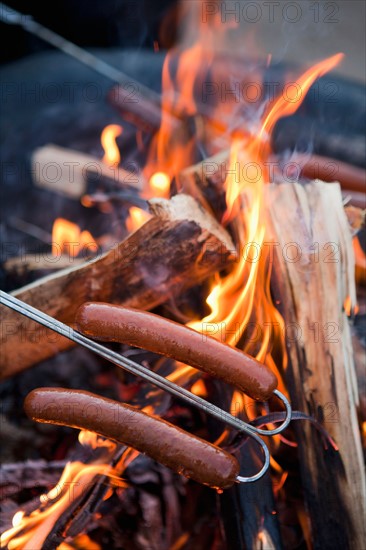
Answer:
(315, 285)
(345, 496)
(66, 171)
(177, 248)
(206, 177)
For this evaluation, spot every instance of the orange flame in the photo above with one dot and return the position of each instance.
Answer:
(242, 311)
(173, 147)
(160, 184)
(199, 388)
(30, 531)
(137, 217)
(68, 239)
(241, 305)
(360, 261)
(94, 441)
(257, 149)
(286, 104)
(80, 542)
(108, 137)
(17, 519)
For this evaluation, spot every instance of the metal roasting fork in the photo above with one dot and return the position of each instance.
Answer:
(154, 378)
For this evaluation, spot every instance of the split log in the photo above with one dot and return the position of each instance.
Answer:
(247, 509)
(204, 181)
(37, 262)
(314, 274)
(66, 171)
(205, 178)
(178, 247)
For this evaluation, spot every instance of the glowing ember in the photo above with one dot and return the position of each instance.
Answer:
(137, 217)
(68, 239)
(199, 388)
(112, 156)
(81, 542)
(160, 184)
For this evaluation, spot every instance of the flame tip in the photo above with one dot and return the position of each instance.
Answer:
(108, 137)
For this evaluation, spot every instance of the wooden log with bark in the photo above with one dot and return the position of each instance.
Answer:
(39, 262)
(66, 171)
(177, 248)
(314, 284)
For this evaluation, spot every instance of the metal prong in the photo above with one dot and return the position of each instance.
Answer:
(284, 424)
(262, 471)
(125, 363)
(153, 378)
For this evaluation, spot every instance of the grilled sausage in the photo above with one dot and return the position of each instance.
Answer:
(154, 333)
(175, 448)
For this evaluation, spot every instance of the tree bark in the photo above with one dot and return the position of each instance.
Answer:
(178, 247)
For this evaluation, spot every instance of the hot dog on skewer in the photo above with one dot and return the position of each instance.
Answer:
(145, 330)
(184, 453)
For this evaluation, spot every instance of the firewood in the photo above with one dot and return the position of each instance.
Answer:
(313, 281)
(206, 177)
(178, 247)
(39, 262)
(65, 171)
(204, 181)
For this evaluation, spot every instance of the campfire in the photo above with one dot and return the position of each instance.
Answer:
(192, 290)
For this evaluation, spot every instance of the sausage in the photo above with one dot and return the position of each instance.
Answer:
(154, 333)
(350, 177)
(184, 453)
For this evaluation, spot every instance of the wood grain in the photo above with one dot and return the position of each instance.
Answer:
(178, 247)
(321, 374)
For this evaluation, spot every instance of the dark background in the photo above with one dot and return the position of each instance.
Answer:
(102, 24)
